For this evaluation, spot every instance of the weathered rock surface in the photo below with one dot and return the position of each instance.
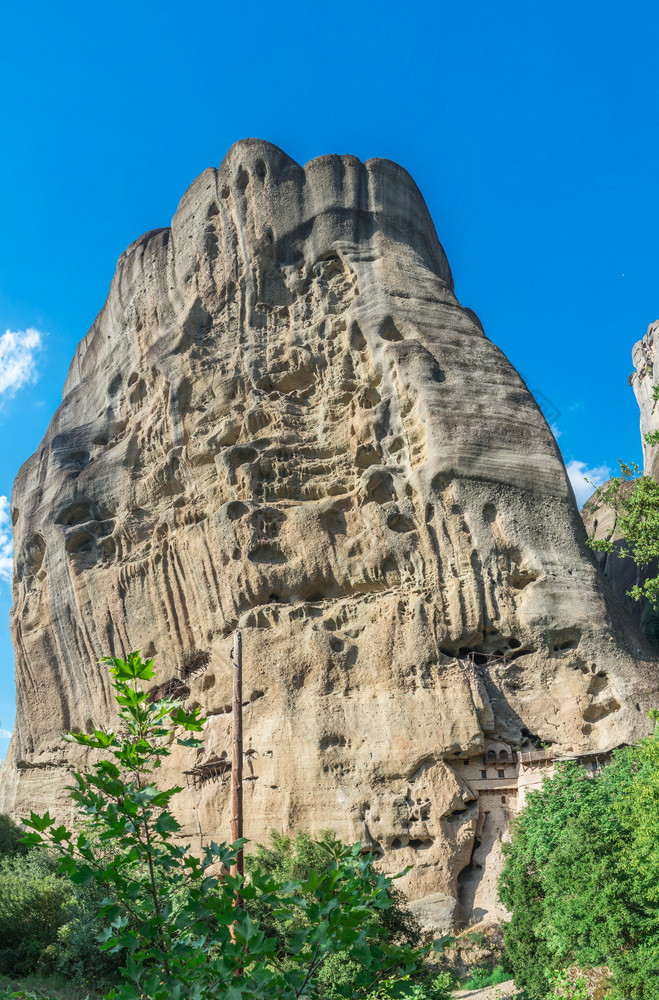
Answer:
(643, 380)
(600, 519)
(283, 417)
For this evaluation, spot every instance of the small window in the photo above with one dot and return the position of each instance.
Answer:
(491, 755)
(483, 774)
(501, 774)
(593, 766)
(503, 799)
(503, 755)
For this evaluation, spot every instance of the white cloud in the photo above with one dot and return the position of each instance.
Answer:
(5, 734)
(585, 480)
(18, 350)
(6, 543)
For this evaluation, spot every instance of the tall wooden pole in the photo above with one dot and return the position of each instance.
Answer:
(237, 749)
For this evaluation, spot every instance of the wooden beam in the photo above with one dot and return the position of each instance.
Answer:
(237, 749)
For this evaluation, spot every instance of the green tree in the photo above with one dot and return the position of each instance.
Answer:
(580, 876)
(175, 918)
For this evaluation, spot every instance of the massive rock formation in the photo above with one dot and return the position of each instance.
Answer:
(283, 418)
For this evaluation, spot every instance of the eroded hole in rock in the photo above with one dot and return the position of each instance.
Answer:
(457, 816)
(267, 522)
(532, 740)
(75, 460)
(389, 331)
(596, 712)
(567, 638)
(242, 180)
(421, 766)
(369, 397)
(260, 169)
(367, 455)
(267, 554)
(241, 456)
(331, 740)
(421, 844)
(30, 559)
(222, 710)
(81, 543)
(331, 266)
(336, 645)
(521, 578)
(335, 521)
(380, 487)
(236, 509)
(516, 653)
(400, 523)
(373, 850)
(490, 648)
(357, 339)
(79, 512)
(598, 683)
(489, 513)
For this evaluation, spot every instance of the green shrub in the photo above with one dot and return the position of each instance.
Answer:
(34, 903)
(36, 987)
(480, 978)
(564, 986)
(418, 987)
(295, 858)
(11, 835)
(47, 923)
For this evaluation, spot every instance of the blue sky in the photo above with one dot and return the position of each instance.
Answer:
(530, 127)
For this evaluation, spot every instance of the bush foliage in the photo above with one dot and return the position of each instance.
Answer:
(581, 876)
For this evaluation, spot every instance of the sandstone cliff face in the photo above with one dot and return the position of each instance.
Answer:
(283, 418)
